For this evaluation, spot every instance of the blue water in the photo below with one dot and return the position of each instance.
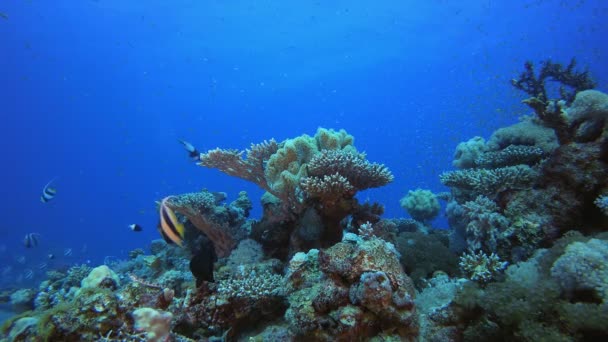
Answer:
(97, 93)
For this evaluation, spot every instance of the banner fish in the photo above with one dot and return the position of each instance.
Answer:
(31, 240)
(170, 228)
(48, 193)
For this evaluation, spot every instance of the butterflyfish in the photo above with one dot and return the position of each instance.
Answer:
(170, 228)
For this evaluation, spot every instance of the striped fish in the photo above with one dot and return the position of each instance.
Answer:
(31, 240)
(48, 193)
(28, 273)
(170, 228)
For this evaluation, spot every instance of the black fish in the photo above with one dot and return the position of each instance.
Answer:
(201, 264)
(135, 227)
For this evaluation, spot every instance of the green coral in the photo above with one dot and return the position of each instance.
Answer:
(467, 152)
(422, 205)
(288, 165)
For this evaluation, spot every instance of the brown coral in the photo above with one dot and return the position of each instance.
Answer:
(360, 173)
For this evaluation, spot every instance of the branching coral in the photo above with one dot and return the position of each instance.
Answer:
(199, 209)
(359, 172)
(481, 267)
(251, 284)
(251, 168)
(490, 181)
(534, 85)
(511, 155)
(485, 224)
(552, 111)
(329, 189)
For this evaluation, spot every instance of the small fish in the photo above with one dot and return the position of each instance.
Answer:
(43, 266)
(28, 274)
(67, 252)
(135, 227)
(48, 193)
(31, 240)
(51, 256)
(170, 228)
(193, 153)
(3, 15)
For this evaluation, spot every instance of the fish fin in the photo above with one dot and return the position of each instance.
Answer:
(50, 182)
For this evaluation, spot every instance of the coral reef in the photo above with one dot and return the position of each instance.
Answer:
(311, 183)
(557, 293)
(320, 266)
(528, 184)
(537, 300)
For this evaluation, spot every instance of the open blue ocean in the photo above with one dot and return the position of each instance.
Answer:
(97, 97)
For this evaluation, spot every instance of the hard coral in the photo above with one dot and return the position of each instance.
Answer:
(534, 85)
(552, 111)
(220, 223)
(490, 181)
(359, 173)
(310, 182)
(353, 290)
(481, 267)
